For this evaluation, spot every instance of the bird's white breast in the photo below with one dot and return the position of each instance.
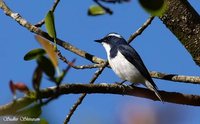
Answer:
(124, 69)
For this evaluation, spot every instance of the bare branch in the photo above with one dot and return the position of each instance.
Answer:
(74, 88)
(176, 77)
(173, 97)
(39, 24)
(141, 29)
(61, 57)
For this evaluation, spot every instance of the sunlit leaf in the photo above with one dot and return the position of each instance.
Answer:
(18, 86)
(21, 87)
(49, 48)
(95, 10)
(46, 65)
(50, 24)
(37, 76)
(154, 7)
(33, 54)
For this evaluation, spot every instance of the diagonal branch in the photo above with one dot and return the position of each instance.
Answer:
(66, 45)
(184, 22)
(141, 29)
(75, 106)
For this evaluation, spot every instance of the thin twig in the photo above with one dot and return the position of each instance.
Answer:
(61, 57)
(40, 23)
(79, 101)
(141, 29)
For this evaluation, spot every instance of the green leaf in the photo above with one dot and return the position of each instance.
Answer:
(95, 10)
(37, 76)
(33, 54)
(154, 7)
(50, 25)
(46, 65)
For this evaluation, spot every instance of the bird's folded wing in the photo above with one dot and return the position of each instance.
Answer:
(133, 57)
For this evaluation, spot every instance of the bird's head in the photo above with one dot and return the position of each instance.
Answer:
(111, 40)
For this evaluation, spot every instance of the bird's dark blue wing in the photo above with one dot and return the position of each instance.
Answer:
(133, 57)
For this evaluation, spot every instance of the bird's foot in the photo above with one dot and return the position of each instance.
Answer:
(133, 85)
(120, 83)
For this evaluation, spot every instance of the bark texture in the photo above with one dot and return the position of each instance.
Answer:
(184, 23)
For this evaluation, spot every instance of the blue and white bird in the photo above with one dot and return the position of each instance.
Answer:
(126, 62)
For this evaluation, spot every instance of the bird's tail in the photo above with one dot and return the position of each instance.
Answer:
(154, 89)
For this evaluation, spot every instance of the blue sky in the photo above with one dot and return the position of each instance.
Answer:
(158, 47)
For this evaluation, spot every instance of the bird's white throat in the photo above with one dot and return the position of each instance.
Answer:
(107, 48)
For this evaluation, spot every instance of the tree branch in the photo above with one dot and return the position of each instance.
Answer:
(171, 97)
(176, 77)
(100, 88)
(184, 22)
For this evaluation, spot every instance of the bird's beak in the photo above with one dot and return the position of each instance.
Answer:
(98, 41)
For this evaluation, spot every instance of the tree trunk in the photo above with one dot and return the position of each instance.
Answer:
(184, 23)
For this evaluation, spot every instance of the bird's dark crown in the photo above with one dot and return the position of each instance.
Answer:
(112, 39)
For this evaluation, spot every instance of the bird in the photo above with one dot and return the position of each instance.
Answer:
(126, 62)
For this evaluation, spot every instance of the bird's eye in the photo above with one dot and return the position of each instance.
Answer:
(108, 38)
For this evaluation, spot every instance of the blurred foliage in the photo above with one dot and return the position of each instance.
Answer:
(50, 24)
(49, 49)
(33, 54)
(95, 10)
(154, 7)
